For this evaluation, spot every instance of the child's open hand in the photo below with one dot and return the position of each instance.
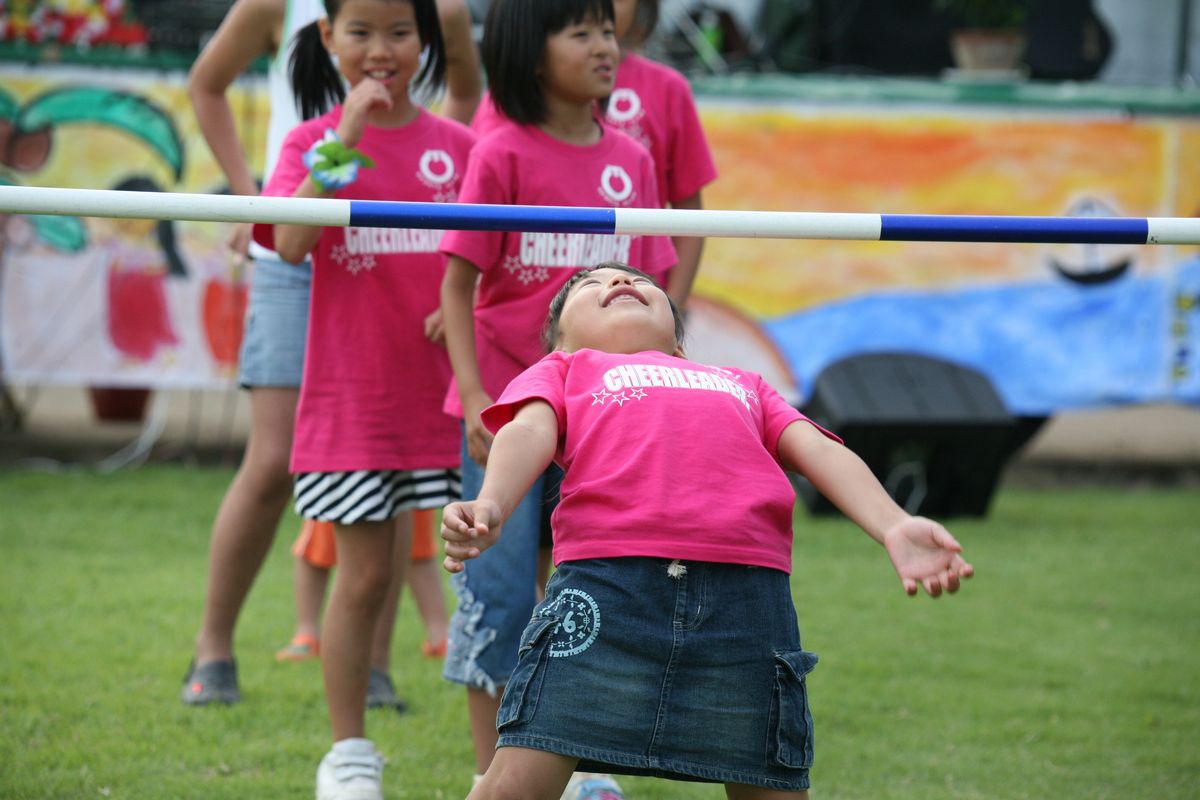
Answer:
(469, 528)
(923, 552)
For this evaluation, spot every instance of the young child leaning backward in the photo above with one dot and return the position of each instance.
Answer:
(673, 544)
(371, 441)
(548, 63)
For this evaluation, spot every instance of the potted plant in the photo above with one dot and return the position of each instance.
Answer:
(986, 35)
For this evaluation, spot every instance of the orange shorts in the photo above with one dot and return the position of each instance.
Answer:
(317, 545)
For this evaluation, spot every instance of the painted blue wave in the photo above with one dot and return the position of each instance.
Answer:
(1047, 346)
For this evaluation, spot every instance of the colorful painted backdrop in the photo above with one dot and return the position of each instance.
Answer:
(1054, 326)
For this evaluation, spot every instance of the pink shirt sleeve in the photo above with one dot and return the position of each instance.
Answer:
(289, 173)
(545, 380)
(778, 414)
(482, 183)
(658, 252)
(690, 167)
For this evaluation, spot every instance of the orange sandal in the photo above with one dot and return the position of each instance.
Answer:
(302, 647)
(434, 649)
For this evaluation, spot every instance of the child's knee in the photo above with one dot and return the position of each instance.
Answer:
(367, 586)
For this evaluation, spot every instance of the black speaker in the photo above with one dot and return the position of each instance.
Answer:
(936, 434)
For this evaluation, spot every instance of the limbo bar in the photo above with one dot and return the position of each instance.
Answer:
(559, 219)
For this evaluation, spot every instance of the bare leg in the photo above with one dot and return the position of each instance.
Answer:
(425, 583)
(739, 791)
(481, 711)
(381, 643)
(360, 585)
(518, 773)
(310, 583)
(246, 521)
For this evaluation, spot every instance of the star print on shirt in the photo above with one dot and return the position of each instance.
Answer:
(357, 264)
(599, 397)
(620, 399)
(353, 264)
(637, 394)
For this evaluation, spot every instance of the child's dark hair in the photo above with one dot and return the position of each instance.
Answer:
(645, 20)
(550, 329)
(319, 86)
(514, 43)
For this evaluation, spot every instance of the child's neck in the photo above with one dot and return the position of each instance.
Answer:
(571, 122)
(400, 114)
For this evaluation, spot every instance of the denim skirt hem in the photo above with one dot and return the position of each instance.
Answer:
(615, 763)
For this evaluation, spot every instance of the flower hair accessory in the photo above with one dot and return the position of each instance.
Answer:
(332, 165)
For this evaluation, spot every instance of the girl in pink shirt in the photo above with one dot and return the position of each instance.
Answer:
(547, 64)
(653, 103)
(371, 441)
(667, 643)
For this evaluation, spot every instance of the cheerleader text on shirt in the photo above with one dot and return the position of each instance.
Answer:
(636, 376)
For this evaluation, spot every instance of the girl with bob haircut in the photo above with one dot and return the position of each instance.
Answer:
(549, 63)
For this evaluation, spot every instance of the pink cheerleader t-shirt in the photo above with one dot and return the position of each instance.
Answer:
(521, 272)
(653, 104)
(664, 457)
(373, 384)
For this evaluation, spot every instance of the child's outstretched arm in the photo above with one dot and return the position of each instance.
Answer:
(921, 550)
(520, 453)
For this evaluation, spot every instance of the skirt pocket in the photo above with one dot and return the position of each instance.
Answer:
(791, 729)
(525, 686)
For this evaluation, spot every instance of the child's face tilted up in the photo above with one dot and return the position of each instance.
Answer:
(616, 311)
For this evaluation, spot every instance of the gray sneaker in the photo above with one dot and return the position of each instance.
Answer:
(212, 682)
(382, 694)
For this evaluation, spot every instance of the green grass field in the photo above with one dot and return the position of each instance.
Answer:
(1068, 668)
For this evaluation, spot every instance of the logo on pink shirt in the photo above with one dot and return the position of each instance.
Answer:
(616, 186)
(624, 106)
(436, 170)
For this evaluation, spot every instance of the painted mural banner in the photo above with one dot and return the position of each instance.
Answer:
(112, 302)
(1054, 327)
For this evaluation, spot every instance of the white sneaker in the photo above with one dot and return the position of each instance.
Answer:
(352, 770)
(592, 786)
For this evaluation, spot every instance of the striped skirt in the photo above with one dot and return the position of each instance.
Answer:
(371, 495)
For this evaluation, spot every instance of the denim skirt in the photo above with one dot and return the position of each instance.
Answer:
(686, 670)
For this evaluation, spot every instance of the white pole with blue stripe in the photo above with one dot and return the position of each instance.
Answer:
(562, 219)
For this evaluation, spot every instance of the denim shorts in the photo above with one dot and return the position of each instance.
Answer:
(497, 591)
(276, 324)
(695, 676)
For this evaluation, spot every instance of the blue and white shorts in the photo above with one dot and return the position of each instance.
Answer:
(272, 353)
(372, 495)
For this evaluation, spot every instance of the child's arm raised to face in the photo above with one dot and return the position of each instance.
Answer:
(294, 242)
(520, 453)
(458, 312)
(922, 551)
